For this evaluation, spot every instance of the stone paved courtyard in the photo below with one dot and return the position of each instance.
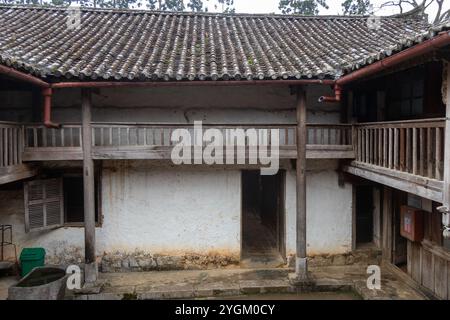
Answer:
(331, 283)
(346, 282)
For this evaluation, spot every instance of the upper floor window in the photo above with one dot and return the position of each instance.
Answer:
(406, 98)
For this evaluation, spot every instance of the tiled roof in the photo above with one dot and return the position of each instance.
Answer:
(142, 45)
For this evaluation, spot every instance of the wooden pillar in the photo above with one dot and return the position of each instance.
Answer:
(91, 272)
(387, 236)
(446, 190)
(301, 265)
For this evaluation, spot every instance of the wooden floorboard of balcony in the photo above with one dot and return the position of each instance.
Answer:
(164, 153)
(16, 173)
(418, 185)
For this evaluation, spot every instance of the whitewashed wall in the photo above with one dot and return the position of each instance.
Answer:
(329, 210)
(166, 210)
(181, 104)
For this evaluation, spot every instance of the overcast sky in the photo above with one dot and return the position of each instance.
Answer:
(271, 6)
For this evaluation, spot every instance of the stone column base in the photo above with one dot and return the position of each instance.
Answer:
(303, 283)
(90, 273)
(301, 278)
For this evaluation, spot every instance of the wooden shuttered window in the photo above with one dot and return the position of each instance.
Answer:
(44, 204)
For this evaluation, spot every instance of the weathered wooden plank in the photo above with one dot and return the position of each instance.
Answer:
(380, 147)
(427, 269)
(367, 145)
(385, 148)
(408, 151)
(422, 151)
(440, 277)
(17, 173)
(395, 182)
(396, 148)
(402, 149)
(391, 148)
(438, 155)
(2, 160)
(414, 153)
(429, 155)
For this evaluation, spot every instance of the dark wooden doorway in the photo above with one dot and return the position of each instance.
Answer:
(263, 219)
(364, 214)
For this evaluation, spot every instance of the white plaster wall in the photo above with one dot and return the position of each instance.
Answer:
(329, 210)
(161, 209)
(170, 209)
(155, 209)
(262, 104)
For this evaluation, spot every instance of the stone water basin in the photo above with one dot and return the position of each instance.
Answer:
(42, 283)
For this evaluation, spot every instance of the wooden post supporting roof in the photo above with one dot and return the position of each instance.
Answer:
(301, 263)
(446, 190)
(91, 271)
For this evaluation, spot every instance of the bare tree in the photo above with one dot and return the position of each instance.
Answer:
(422, 6)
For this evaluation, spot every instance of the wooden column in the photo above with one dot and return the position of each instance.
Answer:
(446, 189)
(301, 265)
(386, 243)
(447, 143)
(89, 189)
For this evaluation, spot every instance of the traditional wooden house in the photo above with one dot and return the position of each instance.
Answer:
(90, 100)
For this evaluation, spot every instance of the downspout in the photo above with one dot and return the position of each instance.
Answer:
(45, 87)
(442, 40)
(47, 93)
(337, 95)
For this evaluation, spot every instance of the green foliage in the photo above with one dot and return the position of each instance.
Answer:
(304, 7)
(195, 5)
(357, 7)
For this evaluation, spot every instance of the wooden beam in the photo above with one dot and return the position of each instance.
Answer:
(91, 272)
(301, 265)
(16, 173)
(393, 180)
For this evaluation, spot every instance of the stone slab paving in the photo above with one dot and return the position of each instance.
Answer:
(242, 282)
(5, 283)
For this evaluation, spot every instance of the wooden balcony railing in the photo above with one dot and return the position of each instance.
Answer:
(415, 147)
(10, 144)
(141, 138)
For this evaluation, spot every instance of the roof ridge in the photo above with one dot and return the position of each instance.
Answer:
(188, 13)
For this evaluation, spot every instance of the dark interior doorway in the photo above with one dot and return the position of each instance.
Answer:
(263, 227)
(364, 214)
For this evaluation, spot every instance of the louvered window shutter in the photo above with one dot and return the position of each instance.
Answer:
(44, 204)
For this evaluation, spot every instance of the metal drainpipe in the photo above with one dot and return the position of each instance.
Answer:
(47, 93)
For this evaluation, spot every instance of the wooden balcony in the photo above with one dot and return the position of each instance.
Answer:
(153, 141)
(407, 155)
(11, 151)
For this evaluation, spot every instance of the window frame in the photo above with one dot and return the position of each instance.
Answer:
(98, 195)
